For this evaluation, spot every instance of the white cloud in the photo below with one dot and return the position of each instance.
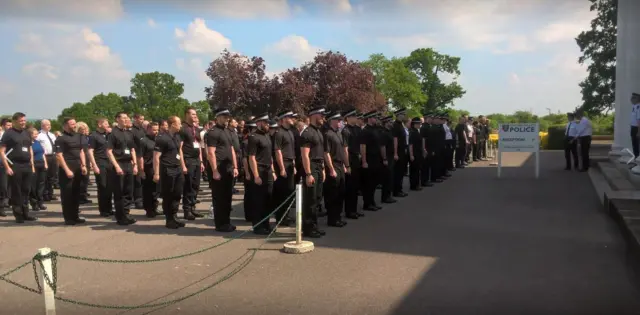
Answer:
(151, 23)
(6, 87)
(238, 9)
(404, 44)
(62, 10)
(33, 43)
(180, 63)
(199, 39)
(514, 79)
(41, 70)
(294, 46)
(336, 6)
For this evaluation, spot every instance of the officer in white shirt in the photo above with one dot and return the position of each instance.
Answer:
(635, 119)
(47, 140)
(571, 146)
(583, 134)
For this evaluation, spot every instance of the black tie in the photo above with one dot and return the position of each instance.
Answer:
(53, 147)
(568, 127)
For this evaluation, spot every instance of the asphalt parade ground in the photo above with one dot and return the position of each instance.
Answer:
(474, 244)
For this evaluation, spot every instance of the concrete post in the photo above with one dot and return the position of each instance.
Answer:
(627, 70)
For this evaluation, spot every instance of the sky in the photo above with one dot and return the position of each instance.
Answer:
(515, 55)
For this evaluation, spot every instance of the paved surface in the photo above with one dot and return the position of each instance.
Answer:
(472, 245)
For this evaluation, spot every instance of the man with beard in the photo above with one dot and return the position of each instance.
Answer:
(167, 170)
(139, 133)
(284, 155)
(312, 153)
(150, 191)
(262, 174)
(122, 155)
(373, 153)
(335, 157)
(101, 166)
(191, 163)
(224, 168)
(73, 166)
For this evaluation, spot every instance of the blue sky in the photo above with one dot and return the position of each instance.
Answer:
(515, 55)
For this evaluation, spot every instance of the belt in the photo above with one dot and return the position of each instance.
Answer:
(264, 165)
(317, 161)
(338, 162)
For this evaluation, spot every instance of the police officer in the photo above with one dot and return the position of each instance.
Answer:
(101, 166)
(449, 144)
(192, 163)
(167, 170)
(388, 173)
(250, 128)
(72, 167)
(400, 146)
(122, 155)
(284, 163)
(5, 123)
(428, 176)
(224, 168)
(416, 155)
(262, 174)
(335, 161)
(437, 136)
(17, 158)
(150, 191)
(635, 120)
(312, 154)
(138, 131)
(373, 153)
(461, 142)
(351, 135)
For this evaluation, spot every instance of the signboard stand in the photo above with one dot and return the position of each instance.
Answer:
(519, 138)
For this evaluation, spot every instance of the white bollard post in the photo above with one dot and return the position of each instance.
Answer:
(298, 246)
(47, 272)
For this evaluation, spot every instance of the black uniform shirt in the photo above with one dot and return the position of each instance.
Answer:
(480, 135)
(121, 143)
(387, 135)
(169, 147)
(18, 142)
(425, 131)
(398, 132)
(245, 147)
(461, 132)
(285, 142)
(311, 138)
(138, 134)
(147, 146)
(350, 135)
(71, 146)
(260, 147)
(334, 145)
(370, 137)
(415, 139)
(190, 141)
(220, 138)
(297, 144)
(437, 137)
(98, 142)
(235, 141)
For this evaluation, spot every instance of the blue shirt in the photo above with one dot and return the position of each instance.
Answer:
(38, 151)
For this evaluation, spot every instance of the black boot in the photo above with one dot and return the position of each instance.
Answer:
(17, 213)
(26, 215)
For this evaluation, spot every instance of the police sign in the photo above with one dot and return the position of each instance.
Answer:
(519, 137)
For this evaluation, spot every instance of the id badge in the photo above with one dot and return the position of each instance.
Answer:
(127, 151)
(25, 149)
(196, 145)
(178, 157)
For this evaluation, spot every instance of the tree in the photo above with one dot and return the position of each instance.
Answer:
(598, 47)
(397, 83)
(204, 110)
(428, 64)
(157, 95)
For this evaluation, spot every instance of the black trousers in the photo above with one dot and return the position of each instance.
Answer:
(247, 200)
(262, 194)
(4, 188)
(191, 184)
(634, 141)
(352, 185)
(52, 176)
(36, 196)
(283, 187)
(482, 149)
(20, 183)
(585, 147)
(449, 154)
(439, 160)
(370, 179)
(299, 177)
(122, 188)
(137, 201)
(104, 190)
(334, 192)
(222, 194)
(399, 170)
(460, 154)
(426, 169)
(474, 151)
(571, 150)
(310, 198)
(387, 179)
(150, 191)
(84, 182)
(70, 189)
(415, 168)
(468, 153)
(171, 181)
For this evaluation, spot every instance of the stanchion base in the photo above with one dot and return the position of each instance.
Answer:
(295, 248)
(493, 164)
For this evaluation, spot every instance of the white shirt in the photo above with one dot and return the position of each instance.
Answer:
(202, 133)
(635, 114)
(45, 143)
(470, 131)
(447, 131)
(584, 128)
(406, 134)
(571, 130)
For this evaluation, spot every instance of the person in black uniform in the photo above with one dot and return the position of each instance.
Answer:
(335, 161)
(167, 171)
(101, 166)
(427, 176)
(224, 167)
(438, 135)
(72, 167)
(122, 155)
(350, 135)
(262, 174)
(250, 128)
(449, 144)
(461, 142)
(284, 163)
(4, 184)
(312, 154)
(17, 158)
(138, 131)
(388, 174)
(150, 191)
(400, 144)
(416, 155)
(191, 163)
(373, 153)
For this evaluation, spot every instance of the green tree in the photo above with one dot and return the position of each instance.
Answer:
(204, 110)
(428, 64)
(598, 47)
(157, 95)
